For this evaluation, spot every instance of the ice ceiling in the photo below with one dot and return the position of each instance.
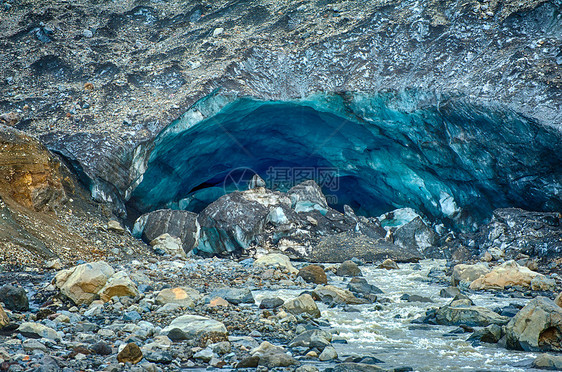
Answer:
(447, 158)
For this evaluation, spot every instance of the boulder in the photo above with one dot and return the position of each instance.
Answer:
(307, 197)
(312, 338)
(302, 304)
(536, 327)
(388, 264)
(360, 285)
(38, 330)
(330, 294)
(313, 274)
(168, 244)
(415, 235)
(473, 316)
(83, 282)
(115, 226)
(237, 220)
(272, 356)
(329, 353)
(348, 244)
(490, 334)
(348, 268)
(276, 260)
(14, 298)
(119, 284)
(177, 223)
(548, 361)
(179, 295)
(4, 320)
(131, 353)
(536, 234)
(271, 303)
(189, 326)
(234, 295)
(510, 274)
(449, 292)
(468, 273)
(29, 174)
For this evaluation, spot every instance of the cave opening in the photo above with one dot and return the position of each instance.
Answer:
(452, 160)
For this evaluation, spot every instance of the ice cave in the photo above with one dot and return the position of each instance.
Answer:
(449, 158)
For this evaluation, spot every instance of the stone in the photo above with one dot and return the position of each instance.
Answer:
(218, 301)
(4, 320)
(176, 223)
(415, 235)
(536, 327)
(361, 286)
(248, 362)
(119, 284)
(271, 303)
(169, 245)
(234, 295)
(490, 334)
(302, 304)
(82, 283)
(449, 292)
(272, 356)
(14, 298)
(115, 226)
(276, 260)
(205, 355)
(178, 295)
(548, 361)
(30, 345)
(193, 326)
(344, 246)
(218, 31)
(131, 353)
(29, 174)
(348, 268)
(307, 197)
(473, 316)
(101, 348)
(388, 264)
(509, 274)
(38, 330)
(313, 338)
(313, 274)
(558, 300)
(542, 283)
(54, 264)
(331, 294)
(329, 353)
(468, 273)
(87, 33)
(10, 118)
(415, 298)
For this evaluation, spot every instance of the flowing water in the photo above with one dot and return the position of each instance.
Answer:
(387, 332)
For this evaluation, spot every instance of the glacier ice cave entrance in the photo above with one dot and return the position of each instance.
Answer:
(450, 159)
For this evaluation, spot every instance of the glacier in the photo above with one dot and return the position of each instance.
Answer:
(448, 158)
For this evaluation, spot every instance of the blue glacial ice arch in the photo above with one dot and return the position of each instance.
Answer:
(448, 158)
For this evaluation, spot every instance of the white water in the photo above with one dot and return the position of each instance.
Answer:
(383, 335)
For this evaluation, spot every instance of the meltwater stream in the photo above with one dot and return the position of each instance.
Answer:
(389, 335)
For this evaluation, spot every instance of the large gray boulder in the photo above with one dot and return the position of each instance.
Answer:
(415, 235)
(237, 220)
(190, 326)
(346, 245)
(473, 316)
(179, 224)
(536, 327)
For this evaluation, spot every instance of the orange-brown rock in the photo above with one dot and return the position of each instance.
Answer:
(130, 354)
(29, 173)
(10, 118)
(4, 320)
(313, 274)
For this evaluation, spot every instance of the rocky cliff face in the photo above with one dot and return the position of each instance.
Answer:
(97, 83)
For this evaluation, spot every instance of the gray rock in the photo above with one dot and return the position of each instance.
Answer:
(473, 316)
(181, 224)
(415, 235)
(449, 292)
(38, 330)
(360, 285)
(490, 334)
(549, 362)
(14, 298)
(314, 338)
(307, 197)
(329, 353)
(193, 326)
(271, 303)
(302, 304)
(205, 355)
(234, 295)
(348, 268)
(346, 245)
